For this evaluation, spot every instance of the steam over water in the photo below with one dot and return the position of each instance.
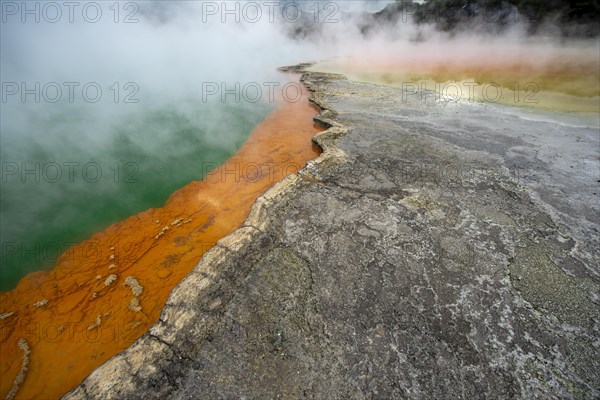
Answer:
(104, 115)
(103, 120)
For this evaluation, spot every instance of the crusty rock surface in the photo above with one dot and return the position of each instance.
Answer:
(435, 250)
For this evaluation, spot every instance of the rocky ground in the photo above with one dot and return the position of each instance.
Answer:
(435, 250)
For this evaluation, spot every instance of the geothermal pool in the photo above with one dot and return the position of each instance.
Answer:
(61, 183)
(127, 177)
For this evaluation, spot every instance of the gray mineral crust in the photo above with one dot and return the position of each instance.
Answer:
(435, 250)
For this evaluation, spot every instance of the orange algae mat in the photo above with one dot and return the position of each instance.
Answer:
(78, 315)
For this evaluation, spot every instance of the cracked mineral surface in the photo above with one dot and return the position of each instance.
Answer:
(446, 250)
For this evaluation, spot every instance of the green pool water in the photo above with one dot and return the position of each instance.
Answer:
(62, 181)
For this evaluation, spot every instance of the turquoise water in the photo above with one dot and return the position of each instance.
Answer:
(65, 177)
